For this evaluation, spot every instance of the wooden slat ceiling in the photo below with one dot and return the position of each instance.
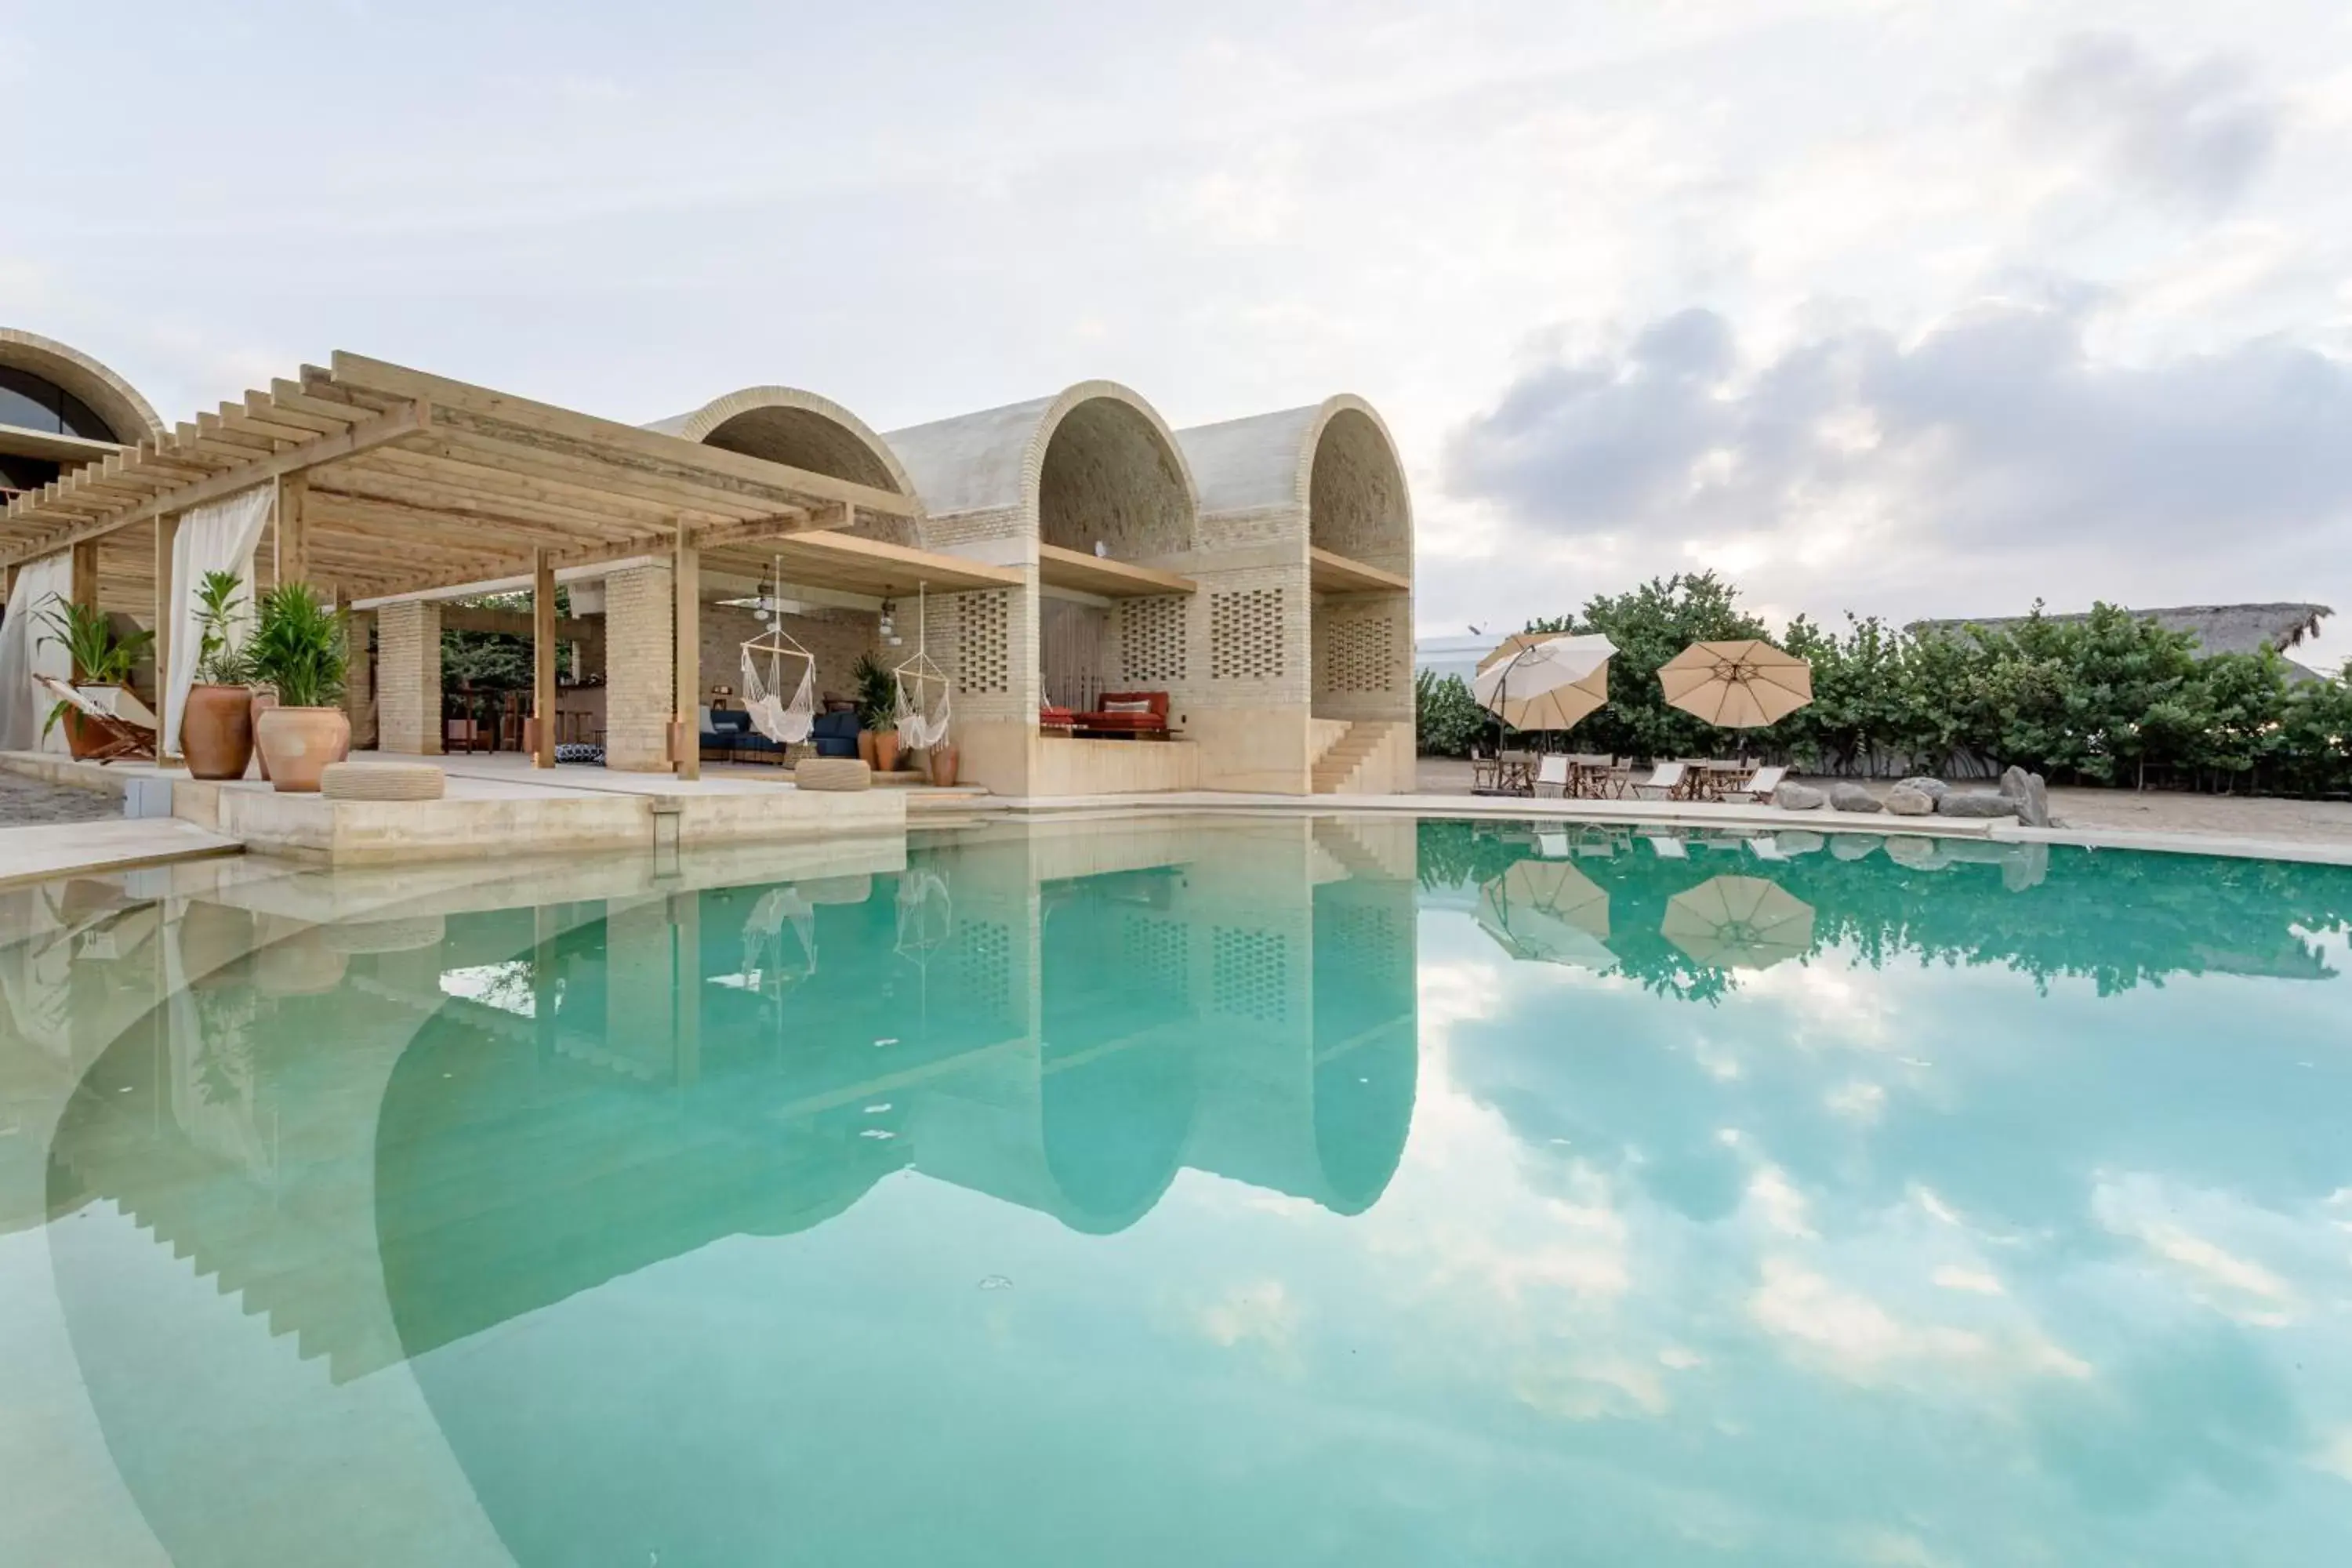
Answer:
(849, 565)
(1075, 570)
(415, 481)
(1334, 573)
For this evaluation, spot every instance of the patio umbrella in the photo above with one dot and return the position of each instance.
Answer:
(1738, 685)
(1544, 680)
(1739, 923)
(1549, 912)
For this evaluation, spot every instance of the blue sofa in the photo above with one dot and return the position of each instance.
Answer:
(731, 735)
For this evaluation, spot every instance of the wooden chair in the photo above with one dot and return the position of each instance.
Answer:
(1558, 771)
(116, 726)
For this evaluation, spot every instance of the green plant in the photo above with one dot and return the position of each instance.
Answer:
(100, 656)
(299, 648)
(878, 693)
(221, 660)
(1446, 717)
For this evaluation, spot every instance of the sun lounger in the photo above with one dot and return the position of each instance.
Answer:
(1666, 780)
(1758, 789)
(117, 726)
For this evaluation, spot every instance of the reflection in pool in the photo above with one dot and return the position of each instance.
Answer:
(1349, 1191)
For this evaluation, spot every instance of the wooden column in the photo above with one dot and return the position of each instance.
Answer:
(82, 587)
(167, 617)
(685, 726)
(542, 658)
(291, 531)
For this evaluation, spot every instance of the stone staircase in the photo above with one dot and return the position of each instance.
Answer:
(1337, 769)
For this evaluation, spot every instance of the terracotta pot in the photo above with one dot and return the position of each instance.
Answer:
(885, 751)
(945, 760)
(213, 937)
(297, 744)
(301, 964)
(261, 703)
(865, 747)
(216, 732)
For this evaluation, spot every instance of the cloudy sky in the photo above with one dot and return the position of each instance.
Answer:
(1894, 305)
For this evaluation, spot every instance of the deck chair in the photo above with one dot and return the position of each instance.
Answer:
(1553, 770)
(1666, 779)
(1670, 848)
(1766, 849)
(1758, 789)
(123, 726)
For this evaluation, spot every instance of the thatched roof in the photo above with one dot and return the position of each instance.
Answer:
(2219, 628)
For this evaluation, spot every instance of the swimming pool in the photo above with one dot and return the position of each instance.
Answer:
(1175, 1191)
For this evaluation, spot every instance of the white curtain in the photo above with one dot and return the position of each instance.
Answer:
(22, 705)
(220, 537)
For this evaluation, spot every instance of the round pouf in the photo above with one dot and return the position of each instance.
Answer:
(843, 775)
(381, 780)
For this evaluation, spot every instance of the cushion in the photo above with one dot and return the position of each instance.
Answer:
(840, 776)
(841, 724)
(703, 714)
(381, 780)
(1139, 705)
(835, 746)
(1155, 700)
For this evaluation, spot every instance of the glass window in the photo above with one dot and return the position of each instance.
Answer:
(24, 473)
(34, 403)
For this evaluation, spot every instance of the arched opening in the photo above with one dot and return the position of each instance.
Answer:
(1109, 484)
(1360, 630)
(51, 401)
(1357, 503)
(784, 425)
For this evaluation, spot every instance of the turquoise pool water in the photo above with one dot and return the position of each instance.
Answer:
(1188, 1192)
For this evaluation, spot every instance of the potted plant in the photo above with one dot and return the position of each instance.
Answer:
(216, 720)
(878, 714)
(101, 658)
(298, 650)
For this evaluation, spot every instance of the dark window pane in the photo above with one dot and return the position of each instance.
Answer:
(79, 418)
(26, 473)
(29, 401)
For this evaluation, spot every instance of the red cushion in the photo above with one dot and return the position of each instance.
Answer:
(1159, 701)
(1146, 722)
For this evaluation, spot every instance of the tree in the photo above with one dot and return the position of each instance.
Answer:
(1446, 716)
(1649, 627)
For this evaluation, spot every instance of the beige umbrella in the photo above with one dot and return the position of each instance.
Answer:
(1739, 923)
(1547, 911)
(1544, 680)
(1738, 685)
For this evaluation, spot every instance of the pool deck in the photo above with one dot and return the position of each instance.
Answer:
(498, 805)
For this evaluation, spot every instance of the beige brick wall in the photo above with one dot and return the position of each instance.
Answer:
(1363, 656)
(836, 638)
(640, 660)
(359, 681)
(408, 678)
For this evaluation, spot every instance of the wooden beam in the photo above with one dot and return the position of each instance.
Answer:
(542, 657)
(167, 532)
(354, 371)
(291, 530)
(1113, 579)
(401, 424)
(687, 620)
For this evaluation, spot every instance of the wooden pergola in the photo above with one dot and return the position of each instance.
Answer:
(394, 482)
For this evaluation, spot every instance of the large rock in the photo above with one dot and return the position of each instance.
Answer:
(1917, 854)
(1853, 797)
(1798, 798)
(1854, 845)
(2032, 796)
(1934, 789)
(1799, 841)
(1976, 803)
(1905, 801)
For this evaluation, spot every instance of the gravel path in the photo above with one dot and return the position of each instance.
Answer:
(27, 803)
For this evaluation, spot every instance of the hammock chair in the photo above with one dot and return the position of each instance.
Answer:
(763, 934)
(787, 724)
(918, 730)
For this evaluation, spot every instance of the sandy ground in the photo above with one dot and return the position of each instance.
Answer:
(25, 803)
(2289, 821)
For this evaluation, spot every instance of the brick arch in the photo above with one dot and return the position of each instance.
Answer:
(1103, 466)
(128, 414)
(787, 425)
(1352, 485)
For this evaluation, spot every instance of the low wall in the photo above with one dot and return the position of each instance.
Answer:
(1062, 765)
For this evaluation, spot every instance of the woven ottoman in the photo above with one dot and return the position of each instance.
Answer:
(381, 780)
(838, 775)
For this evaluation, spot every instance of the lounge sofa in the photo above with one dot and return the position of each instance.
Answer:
(728, 736)
(1124, 713)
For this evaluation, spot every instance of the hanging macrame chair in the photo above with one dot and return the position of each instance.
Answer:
(764, 933)
(785, 721)
(923, 690)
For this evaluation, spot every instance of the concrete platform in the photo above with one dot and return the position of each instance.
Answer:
(64, 849)
(499, 805)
